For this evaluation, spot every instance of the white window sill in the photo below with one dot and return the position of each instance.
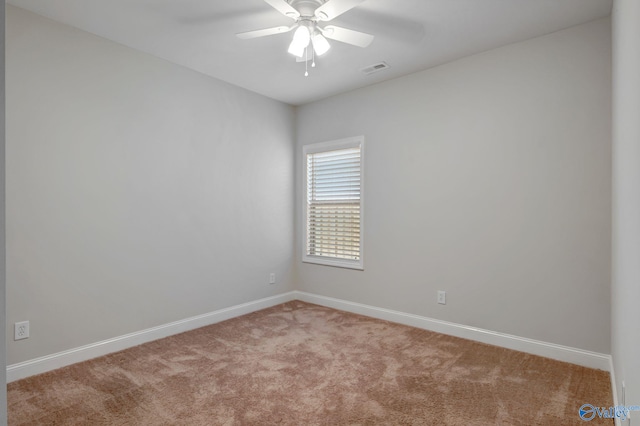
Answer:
(338, 263)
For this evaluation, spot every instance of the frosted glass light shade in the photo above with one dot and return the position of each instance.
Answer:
(301, 39)
(296, 49)
(320, 44)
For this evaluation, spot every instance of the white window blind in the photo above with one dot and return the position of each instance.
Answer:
(334, 203)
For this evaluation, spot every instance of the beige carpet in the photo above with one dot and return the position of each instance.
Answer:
(302, 364)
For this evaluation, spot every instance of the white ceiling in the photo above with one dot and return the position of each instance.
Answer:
(411, 35)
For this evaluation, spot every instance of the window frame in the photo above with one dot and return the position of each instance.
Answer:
(351, 142)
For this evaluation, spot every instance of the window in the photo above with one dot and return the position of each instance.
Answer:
(333, 203)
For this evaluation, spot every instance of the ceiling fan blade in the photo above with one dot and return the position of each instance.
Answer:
(285, 8)
(348, 36)
(333, 8)
(399, 29)
(266, 32)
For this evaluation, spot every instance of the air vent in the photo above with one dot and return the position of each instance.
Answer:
(372, 69)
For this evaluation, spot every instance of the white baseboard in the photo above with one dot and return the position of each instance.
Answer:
(614, 390)
(549, 350)
(84, 353)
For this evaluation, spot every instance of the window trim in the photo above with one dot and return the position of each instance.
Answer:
(351, 142)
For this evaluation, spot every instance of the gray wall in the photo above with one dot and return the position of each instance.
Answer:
(138, 192)
(626, 200)
(3, 358)
(490, 178)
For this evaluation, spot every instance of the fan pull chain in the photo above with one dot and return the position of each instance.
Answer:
(306, 62)
(313, 58)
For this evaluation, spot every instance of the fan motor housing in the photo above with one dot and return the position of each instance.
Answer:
(306, 8)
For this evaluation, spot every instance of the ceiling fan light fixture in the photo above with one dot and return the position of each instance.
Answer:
(296, 49)
(302, 36)
(320, 44)
(301, 39)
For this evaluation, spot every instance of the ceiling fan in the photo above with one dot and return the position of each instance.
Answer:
(308, 16)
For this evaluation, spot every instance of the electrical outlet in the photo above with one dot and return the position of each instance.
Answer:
(442, 297)
(21, 330)
(272, 278)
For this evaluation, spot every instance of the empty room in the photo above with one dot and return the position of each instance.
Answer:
(321, 212)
